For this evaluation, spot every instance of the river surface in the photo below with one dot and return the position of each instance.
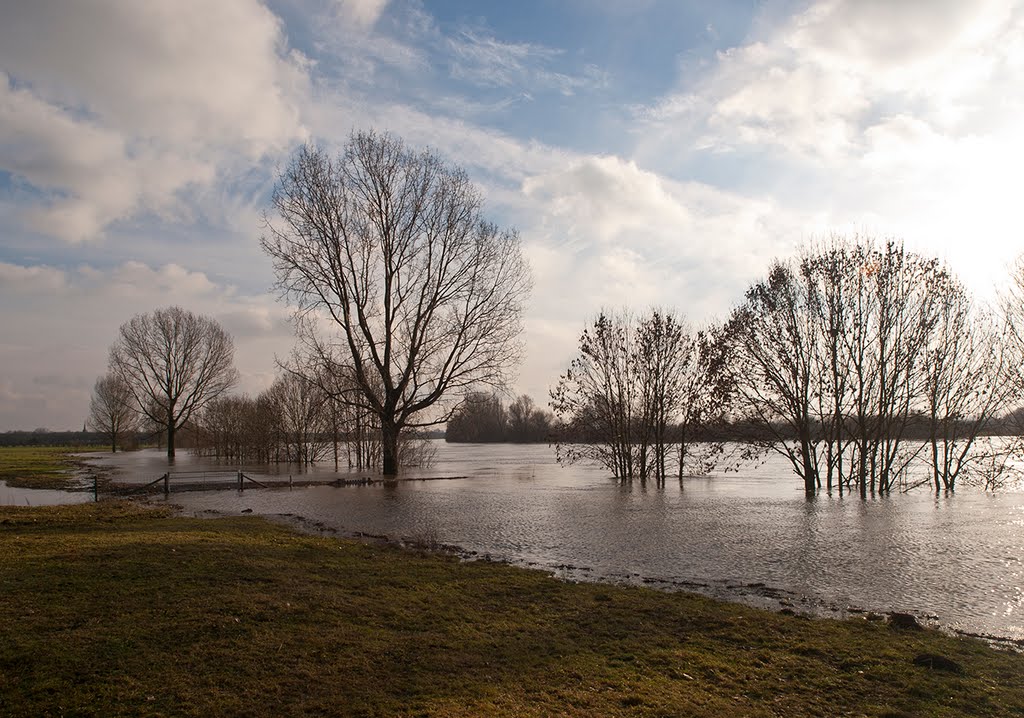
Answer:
(748, 536)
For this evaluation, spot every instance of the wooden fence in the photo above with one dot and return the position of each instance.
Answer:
(198, 480)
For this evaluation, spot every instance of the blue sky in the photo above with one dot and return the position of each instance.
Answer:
(650, 153)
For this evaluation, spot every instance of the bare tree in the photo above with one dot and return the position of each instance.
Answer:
(772, 340)
(967, 387)
(595, 399)
(174, 362)
(677, 374)
(704, 394)
(635, 388)
(305, 419)
(111, 409)
(848, 355)
(386, 248)
(1012, 305)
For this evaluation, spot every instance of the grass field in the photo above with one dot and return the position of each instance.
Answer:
(41, 467)
(113, 609)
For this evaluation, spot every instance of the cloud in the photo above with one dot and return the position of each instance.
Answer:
(598, 203)
(125, 106)
(814, 85)
(16, 277)
(612, 234)
(482, 59)
(890, 118)
(362, 13)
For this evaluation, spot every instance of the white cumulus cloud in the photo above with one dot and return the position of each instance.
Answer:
(109, 108)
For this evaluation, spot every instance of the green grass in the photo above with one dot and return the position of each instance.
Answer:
(41, 467)
(112, 609)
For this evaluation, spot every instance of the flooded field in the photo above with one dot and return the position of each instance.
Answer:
(749, 536)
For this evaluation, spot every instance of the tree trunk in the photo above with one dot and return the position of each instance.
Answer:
(810, 474)
(389, 447)
(170, 442)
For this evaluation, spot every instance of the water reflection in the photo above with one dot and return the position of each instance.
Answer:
(12, 496)
(750, 536)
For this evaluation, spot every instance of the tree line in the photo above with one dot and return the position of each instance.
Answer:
(868, 367)
(640, 396)
(858, 361)
(405, 300)
(484, 418)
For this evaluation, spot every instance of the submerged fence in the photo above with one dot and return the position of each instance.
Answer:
(186, 481)
(212, 480)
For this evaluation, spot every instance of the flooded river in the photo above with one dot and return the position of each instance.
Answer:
(750, 536)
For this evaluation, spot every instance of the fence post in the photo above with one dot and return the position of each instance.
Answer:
(95, 488)
(167, 484)
(240, 487)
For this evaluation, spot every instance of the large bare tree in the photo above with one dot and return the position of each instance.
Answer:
(396, 278)
(112, 409)
(174, 362)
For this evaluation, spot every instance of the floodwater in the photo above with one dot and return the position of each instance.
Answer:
(11, 496)
(750, 536)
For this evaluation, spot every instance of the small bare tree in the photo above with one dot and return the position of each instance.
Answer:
(636, 388)
(174, 362)
(595, 399)
(305, 418)
(967, 387)
(771, 340)
(1012, 305)
(112, 409)
(386, 249)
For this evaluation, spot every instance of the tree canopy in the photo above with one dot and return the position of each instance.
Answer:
(399, 284)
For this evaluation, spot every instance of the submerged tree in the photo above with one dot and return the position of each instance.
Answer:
(1012, 306)
(174, 363)
(595, 402)
(847, 357)
(303, 412)
(635, 388)
(397, 280)
(967, 386)
(112, 409)
(771, 342)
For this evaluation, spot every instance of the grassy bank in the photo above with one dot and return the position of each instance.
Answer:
(41, 467)
(112, 609)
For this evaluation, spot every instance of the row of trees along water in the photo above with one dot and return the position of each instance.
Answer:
(868, 367)
(484, 418)
(297, 421)
(405, 299)
(294, 421)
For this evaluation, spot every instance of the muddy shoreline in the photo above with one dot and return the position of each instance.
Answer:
(756, 595)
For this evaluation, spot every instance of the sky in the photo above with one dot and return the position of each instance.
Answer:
(650, 153)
